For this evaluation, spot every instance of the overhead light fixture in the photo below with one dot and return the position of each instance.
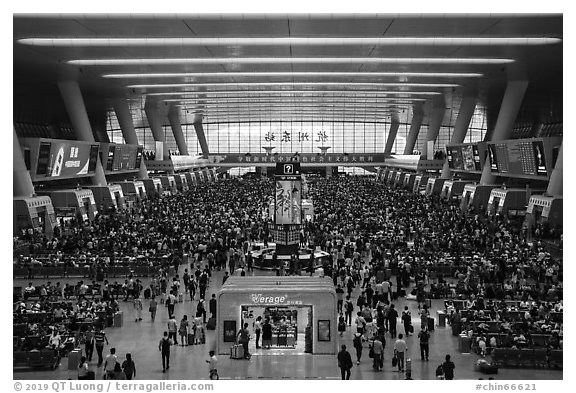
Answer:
(285, 41)
(329, 99)
(356, 93)
(293, 74)
(290, 60)
(263, 84)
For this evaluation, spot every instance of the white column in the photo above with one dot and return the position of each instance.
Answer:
(394, 125)
(436, 116)
(417, 116)
(127, 126)
(22, 183)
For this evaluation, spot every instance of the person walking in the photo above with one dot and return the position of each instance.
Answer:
(407, 321)
(83, 369)
(244, 338)
(183, 330)
(424, 337)
(212, 306)
(164, 348)
(339, 298)
(213, 365)
(267, 334)
(171, 303)
(344, 362)
(378, 350)
(392, 317)
(172, 328)
(99, 339)
(129, 367)
(357, 342)
(138, 307)
(349, 309)
(89, 342)
(110, 364)
(448, 368)
(399, 350)
(153, 307)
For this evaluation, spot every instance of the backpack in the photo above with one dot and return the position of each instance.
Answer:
(439, 371)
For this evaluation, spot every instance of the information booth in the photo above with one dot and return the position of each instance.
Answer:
(190, 178)
(391, 176)
(434, 186)
(453, 189)
(420, 182)
(153, 187)
(301, 310)
(79, 204)
(384, 175)
(409, 180)
(502, 201)
(181, 182)
(108, 197)
(545, 210)
(168, 184)
(133, 191)
(475, 197)
(399, 179)
(34, 212)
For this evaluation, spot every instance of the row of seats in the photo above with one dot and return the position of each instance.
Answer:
(113, 271)
(32, 359)
(529, 358)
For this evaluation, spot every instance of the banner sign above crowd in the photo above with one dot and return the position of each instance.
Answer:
(311, 159)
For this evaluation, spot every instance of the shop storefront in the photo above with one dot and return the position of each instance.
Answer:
(301, 310)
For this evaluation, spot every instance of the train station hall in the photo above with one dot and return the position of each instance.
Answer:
(287, 196)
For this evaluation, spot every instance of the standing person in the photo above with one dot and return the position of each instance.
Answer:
(89, 342)
(183, 330)
(407, 321)
(212, 306)
(83, 369)
(448, 368)
(213, 365)
(244, 338)
(392, 316)
(339, 297)
(357, 341)
(399, 350)
(349, 309)
(110, 364)
(192, 287)
(171, 303)
(341, 324)
(258, 329)
(424, 337)
(344, 362)
(99, 339)
(378, 349)
(129, 367)
(172, 328)
(153, 307)
(267, 334)
(201, 310)
(138, 307)
(164, 348)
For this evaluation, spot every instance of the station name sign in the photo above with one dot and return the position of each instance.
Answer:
(258, 298)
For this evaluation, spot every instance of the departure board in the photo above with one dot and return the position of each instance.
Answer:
(518, 157)
(464, 157)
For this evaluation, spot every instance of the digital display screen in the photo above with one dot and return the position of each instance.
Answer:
(464, 157)
(525, 157)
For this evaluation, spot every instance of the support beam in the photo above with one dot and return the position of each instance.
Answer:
(509, 108)
(417, 116)
(436, 116)
(394, 125)
(22, 183)
(174, 118)
(76, 109)
(201, 137)
(555, 186)
(127, 126)
(155, 123)
(465, 113)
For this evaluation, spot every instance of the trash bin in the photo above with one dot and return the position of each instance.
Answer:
(441, 319)
(74, 359)
(464, 343)
(118, 319)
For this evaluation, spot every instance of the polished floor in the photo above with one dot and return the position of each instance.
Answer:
(141, 340)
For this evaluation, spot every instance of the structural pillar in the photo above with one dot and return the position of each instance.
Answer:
(76, 109)
(22, 182)
(394, 125)
(127, 126)
(438, 111)
(555, 185)
(174, 118)
(509, 108)
(417, 116)
(465, 113)
(201, 137)
(155, 123)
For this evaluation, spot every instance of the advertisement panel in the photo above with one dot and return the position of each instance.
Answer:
(288, 202)
(66, 159)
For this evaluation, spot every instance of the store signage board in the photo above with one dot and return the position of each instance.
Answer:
(262, 299)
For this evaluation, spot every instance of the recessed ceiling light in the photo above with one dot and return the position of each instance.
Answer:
(240, 84)
(284, 41)
(293, 74)
(291, 60)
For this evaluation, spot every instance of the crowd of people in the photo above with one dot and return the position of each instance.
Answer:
(372, 232)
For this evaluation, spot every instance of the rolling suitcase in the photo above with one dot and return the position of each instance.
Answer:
(431, 322)
(118, 319)
(180, 298)
(237, 352)
(191, 339)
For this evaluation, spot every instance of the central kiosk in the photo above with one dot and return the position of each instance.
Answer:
(301, 310)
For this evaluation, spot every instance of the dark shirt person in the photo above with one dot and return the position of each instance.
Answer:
(448, 368)
(344, 362)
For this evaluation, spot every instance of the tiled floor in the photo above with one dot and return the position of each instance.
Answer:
(141, 340)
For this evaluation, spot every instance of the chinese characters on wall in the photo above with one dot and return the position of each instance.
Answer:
(292, 136)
